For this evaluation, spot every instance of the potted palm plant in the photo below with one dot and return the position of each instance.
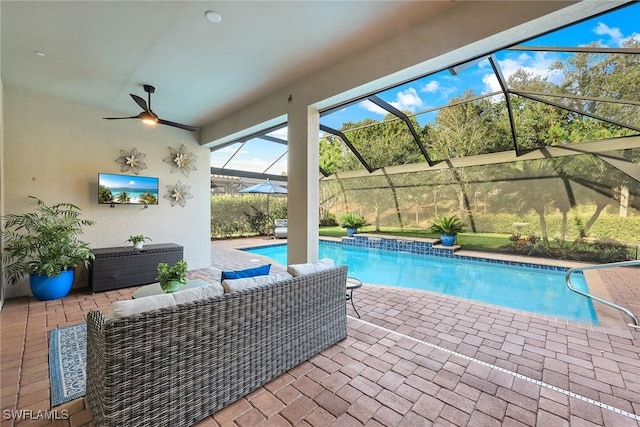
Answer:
(137, 240)
(352, 222)
(171, 278)
(448, 227)
(45, 245)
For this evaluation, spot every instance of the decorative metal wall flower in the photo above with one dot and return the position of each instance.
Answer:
(178, 193)
(181, 160)
(131, 161)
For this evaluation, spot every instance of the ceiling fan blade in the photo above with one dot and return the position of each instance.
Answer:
(120, 118)
(141, 102)
(148, 116)
(177, 125)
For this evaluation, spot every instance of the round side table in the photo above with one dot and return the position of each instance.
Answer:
(353, 283)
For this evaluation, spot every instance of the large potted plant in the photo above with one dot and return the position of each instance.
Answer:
(45, 245)
(171, 278)
(352, 222)
(448, 227)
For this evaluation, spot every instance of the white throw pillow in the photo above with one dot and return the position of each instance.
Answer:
(310, 267)
(235, 285)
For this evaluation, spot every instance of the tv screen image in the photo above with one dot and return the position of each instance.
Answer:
(127, 189)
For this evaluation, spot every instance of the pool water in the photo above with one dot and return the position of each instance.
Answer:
(536, 290)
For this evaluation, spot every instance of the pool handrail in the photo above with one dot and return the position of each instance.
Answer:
(628, 312)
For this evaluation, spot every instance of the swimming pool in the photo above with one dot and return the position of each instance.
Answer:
(537, 290)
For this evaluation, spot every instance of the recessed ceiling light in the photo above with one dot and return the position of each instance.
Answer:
(37, 52)
(213, 16)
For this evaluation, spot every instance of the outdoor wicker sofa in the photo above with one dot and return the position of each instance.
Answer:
(176, 365)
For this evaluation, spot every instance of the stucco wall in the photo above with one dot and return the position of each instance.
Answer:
(2, 281)
(54, 150)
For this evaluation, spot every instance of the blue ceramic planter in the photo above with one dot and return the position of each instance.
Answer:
(447, 239)
(351, 232)
(46, 288)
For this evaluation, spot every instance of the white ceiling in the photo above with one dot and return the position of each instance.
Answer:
(97, 52)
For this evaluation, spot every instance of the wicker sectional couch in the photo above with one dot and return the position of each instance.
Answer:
(176, 365)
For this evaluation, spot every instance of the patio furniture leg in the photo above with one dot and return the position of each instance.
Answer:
(350, 298)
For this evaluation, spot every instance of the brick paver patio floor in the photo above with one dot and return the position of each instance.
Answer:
(415, 358)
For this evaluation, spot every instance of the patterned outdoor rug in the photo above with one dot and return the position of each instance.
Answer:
(67, 363)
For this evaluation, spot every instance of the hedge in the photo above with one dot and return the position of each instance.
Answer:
(625, 229)
(231, 214)
(230, 218)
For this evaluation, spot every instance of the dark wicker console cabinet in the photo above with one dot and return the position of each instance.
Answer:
(115, 268)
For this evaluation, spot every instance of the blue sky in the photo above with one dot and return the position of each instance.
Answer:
(436, 90)
(608, 30)
(128, 181)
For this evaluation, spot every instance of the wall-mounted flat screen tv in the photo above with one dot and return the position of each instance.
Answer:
(127, 189)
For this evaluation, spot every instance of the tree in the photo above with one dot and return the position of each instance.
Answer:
(123, 197)
(468, 129)
(614, 76)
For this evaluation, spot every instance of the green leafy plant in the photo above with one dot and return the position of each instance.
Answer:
(44, 242)
(534, 245)
(351, 220)
(447, 225)
(138, 238)
(177, 273)
(328, 219)
(611, 251)
(517, 240)
(566, 250)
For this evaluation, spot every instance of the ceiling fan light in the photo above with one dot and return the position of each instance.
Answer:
(148, 119)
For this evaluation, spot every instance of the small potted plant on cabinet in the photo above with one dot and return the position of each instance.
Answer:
(448, 227)
(352, 222)
(171, 278)
(137, 240)
(45, 245)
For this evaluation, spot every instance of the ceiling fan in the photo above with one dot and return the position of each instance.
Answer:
(148, 116)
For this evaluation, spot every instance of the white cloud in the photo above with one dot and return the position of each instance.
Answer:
(538, 65)
(281, 133)
(431, 87)
(443, 92)
(406, 100)
(370, 106)
(613, 33)
(250, 163)
(254, 159)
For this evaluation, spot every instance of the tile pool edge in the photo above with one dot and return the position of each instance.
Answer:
(423, 248)
(480, 256)
(610, 320)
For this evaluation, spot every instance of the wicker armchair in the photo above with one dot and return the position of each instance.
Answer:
(176, 365)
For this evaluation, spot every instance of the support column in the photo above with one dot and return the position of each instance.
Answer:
(303, 184)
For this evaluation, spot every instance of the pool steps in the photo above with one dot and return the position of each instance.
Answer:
(417, 245)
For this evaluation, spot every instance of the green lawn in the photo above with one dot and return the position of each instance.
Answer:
(478, 241)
